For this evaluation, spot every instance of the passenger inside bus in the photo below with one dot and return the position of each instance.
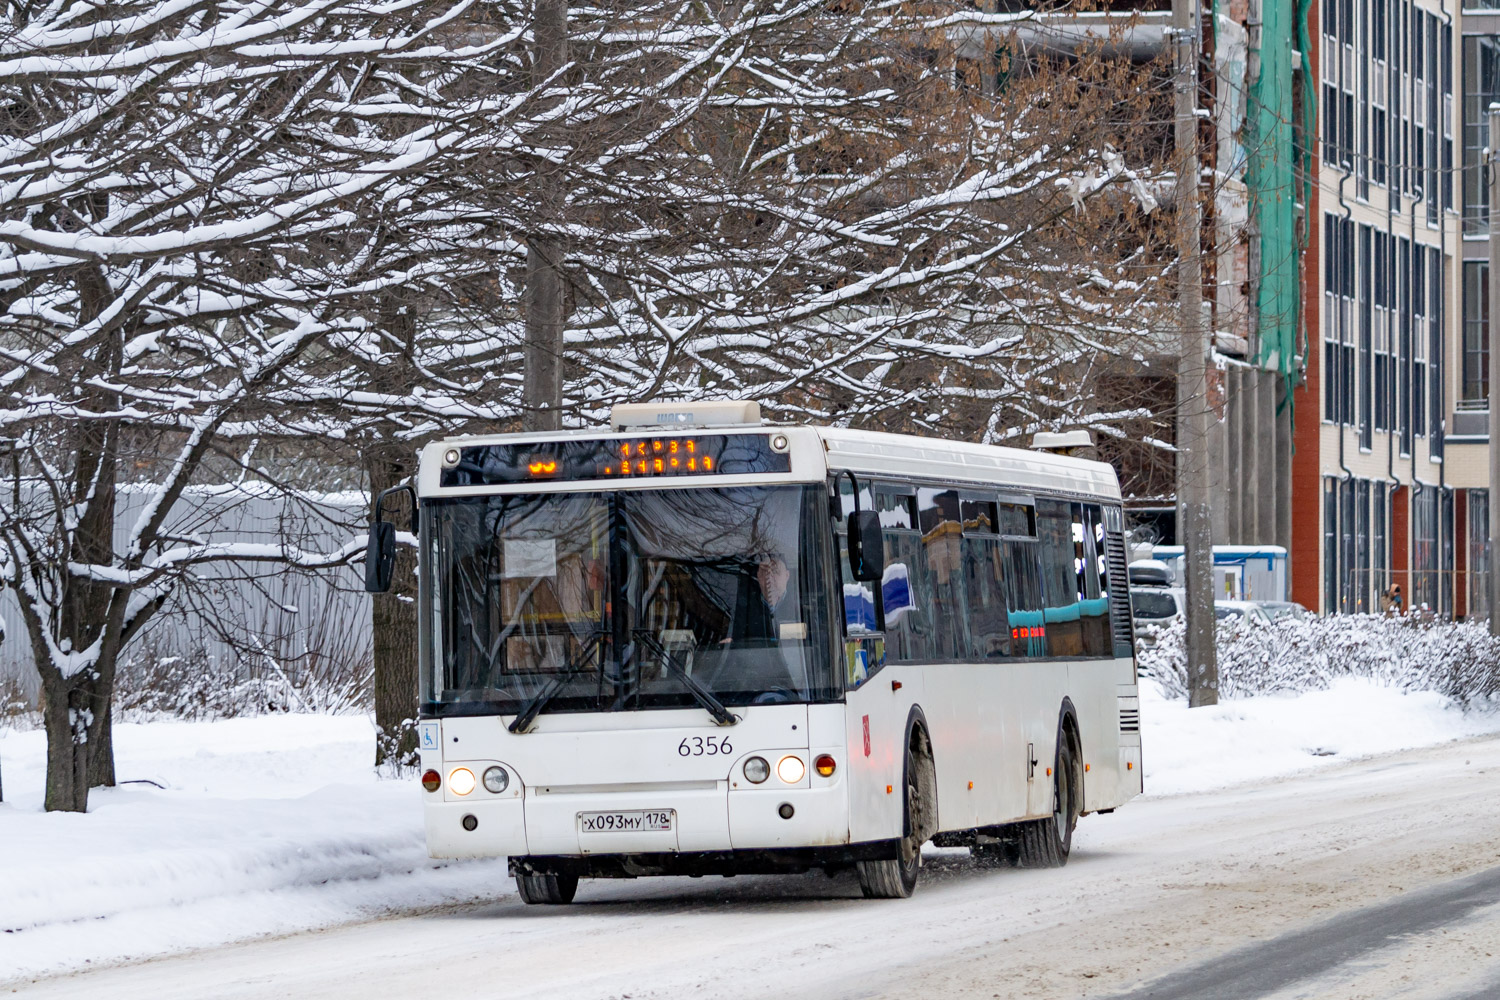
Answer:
(760, 615)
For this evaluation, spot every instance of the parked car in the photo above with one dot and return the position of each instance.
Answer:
(1284, 609)
(1241, 611)
(1154, 608)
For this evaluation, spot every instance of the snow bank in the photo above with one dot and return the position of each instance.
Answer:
(263, 826)
(1246, 739)
(277, 824)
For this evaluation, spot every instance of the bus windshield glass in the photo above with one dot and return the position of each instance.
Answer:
(615, 601)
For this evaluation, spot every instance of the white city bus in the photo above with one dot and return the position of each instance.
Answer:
(700, 644)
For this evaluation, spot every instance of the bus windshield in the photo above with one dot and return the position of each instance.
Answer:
(615, 601)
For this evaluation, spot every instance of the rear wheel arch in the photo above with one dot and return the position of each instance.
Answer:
(1068, 728)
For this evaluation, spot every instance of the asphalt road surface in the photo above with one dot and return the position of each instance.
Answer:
(1379, 879)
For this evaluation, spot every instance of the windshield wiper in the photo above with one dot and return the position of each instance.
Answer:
(704, 697)
(571, 669)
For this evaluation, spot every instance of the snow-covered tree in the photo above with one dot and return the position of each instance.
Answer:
(198, 208)
(223, 222)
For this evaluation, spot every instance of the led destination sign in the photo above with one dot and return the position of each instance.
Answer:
(617, 458)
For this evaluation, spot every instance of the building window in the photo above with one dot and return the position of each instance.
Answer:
(1479, 553)
(1418, 340)
(1381, 292)
(1474, 380)
(1365, 331)
(1403, 338)
(1380, 544)
(1436, 363)
(1445, 576)
(1424, 549)
(1330, 543)
(1481, 70)
(1361, 597)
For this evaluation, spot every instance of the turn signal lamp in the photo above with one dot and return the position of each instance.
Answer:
(825, 765)
(790, 769)
(431, 780)
(461, 780)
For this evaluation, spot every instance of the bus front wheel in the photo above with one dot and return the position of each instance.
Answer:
(896, 878)
(551, 889)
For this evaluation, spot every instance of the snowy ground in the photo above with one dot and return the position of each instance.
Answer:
(275, 825)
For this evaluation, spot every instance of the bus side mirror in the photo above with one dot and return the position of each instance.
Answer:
(380, 557)
(866, 545)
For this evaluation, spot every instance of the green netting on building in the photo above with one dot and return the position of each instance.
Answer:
(1277, 182)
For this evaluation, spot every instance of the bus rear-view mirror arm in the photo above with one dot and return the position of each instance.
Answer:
(866, 540)
(380, 551)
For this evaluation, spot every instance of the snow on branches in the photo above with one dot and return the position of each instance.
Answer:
(309, 221)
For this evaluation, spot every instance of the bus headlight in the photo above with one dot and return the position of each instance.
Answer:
(791, 769)
(757, 770)
(496, 779)
(461, 781)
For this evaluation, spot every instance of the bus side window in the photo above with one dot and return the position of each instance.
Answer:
(1023, 580)
(1088, 551)
(1062, 611)
(939, 520)
(989, 628)
(860, 614)
(903, 586)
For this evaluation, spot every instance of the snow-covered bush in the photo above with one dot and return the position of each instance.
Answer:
(1458, 659)
(18, 709)
(199, 688)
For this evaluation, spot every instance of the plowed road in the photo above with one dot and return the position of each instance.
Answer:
(1378, 879)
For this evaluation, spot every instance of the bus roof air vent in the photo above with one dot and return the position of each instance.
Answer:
(1079, 443)
(667, 414)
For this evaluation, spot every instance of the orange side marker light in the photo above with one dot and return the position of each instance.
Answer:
(888, 789)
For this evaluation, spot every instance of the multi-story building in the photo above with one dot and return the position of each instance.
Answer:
(1345, 251)
(1382, 454)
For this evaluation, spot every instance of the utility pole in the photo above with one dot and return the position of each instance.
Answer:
(544, 299)
(1194, 526)
(1492, 179)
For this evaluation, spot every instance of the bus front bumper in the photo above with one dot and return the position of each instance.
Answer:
(704, 820)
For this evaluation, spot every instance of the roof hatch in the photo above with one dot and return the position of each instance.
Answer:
(667, 414)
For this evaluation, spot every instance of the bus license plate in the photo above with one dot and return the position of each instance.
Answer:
(626, 821)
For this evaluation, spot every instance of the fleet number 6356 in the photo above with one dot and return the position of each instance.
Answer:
(703, 746)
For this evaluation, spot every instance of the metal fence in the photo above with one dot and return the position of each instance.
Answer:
(242, 620)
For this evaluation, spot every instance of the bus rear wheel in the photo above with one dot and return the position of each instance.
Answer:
(1046, 843)
(896, 878)
(550, 889)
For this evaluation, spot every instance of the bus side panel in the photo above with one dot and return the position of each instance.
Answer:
(876, 726)
(979, 742)
(950, 706)
(1097, 698)
(1039, 689)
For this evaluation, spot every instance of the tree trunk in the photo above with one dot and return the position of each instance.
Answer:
(394, 624)
(545, 295)
(74, 724)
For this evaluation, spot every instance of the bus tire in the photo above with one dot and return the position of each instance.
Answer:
(1046, 843)
(896, 878)
(549, 889)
